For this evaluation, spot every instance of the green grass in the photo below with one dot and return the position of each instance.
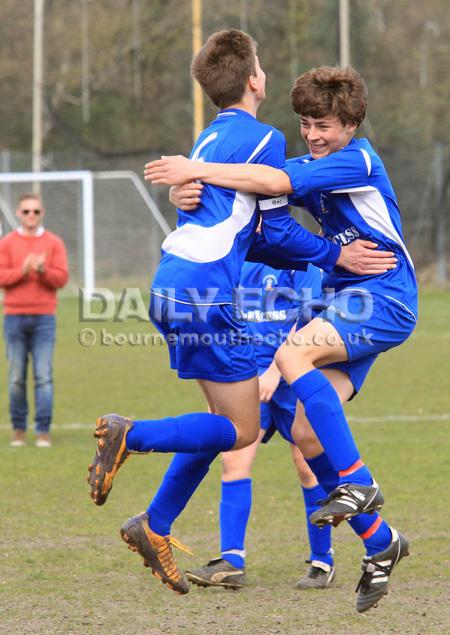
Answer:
(64, 568)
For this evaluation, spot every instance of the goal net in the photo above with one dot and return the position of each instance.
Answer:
(109, 222)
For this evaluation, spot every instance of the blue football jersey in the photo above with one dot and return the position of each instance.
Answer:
(202, 259)
(270, 301)
(350, 196)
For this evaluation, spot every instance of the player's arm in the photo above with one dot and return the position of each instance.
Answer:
(276, 250)
(271, 251)
(280, 229)
(346, 169)
(245, 177)
(269, 381)
(261, 251)
(298, 245)
(285, 244)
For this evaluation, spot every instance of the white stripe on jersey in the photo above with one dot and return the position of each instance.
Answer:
(260, 146)
(373, 209)
(208, 244)
(208, 139)
(370, 204)
(361, 188)
(366, 156)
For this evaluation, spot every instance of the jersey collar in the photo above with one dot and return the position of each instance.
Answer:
(230, 112)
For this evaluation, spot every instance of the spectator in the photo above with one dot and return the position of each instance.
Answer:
(33, 265)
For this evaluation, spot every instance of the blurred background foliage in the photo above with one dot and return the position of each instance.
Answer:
(137, 57)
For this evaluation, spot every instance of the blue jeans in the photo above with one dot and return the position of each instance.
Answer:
(25, 335)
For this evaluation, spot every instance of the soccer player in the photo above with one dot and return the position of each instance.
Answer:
(192, 305)
(344, 184)
(270, 304)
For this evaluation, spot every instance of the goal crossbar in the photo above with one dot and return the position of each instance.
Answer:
(86, 179)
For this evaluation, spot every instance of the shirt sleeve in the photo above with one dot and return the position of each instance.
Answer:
(287, 252)
(349, 168)
(288, 245)
(274, 154)
(293, 200)
(297, 244)
(9, 276)
(56, 271)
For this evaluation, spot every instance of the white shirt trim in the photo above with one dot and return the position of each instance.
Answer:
(208, 244)
(366, 156)
(374, 211)
(39, 232)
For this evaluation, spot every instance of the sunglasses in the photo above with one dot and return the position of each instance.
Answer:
(36, 212)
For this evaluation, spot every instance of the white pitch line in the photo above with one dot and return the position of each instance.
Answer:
(382, 419)
(401, 418)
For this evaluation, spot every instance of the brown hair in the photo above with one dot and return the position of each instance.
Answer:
(328, 90)
(223, 66)
(26, 196)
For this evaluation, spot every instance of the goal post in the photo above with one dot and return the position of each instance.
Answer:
(109, 222)
(85, 178)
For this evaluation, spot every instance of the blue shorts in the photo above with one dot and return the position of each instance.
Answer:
(205, 342)
(369, 324)
(279, 413)
(357, 370)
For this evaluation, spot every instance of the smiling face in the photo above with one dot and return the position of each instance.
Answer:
(325, 135)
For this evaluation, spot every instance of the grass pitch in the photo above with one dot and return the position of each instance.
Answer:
(64, 568)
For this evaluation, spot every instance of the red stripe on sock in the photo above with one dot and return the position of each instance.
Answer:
(359, 463)
(372, 529)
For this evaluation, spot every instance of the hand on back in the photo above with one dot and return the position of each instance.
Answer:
(186, 197)
(363, 258)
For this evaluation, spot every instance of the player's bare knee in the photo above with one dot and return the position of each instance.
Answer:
(284, 357)
(306, 440)
(246, 436)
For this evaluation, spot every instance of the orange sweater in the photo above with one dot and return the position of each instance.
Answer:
(33, 292)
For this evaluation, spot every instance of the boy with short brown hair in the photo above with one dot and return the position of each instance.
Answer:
(329, 90)
(224, 64)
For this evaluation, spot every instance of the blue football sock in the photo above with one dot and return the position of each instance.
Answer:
(324, 472)
(326, 416)
(196, 432)
(235, 507)
(328, 478)
(184, 475)
(373, 531)
(319, 539)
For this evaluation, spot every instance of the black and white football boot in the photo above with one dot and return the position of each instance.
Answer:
(376, 571)
(346, 501)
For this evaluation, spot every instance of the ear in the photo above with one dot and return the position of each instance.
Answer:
(253, 83)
